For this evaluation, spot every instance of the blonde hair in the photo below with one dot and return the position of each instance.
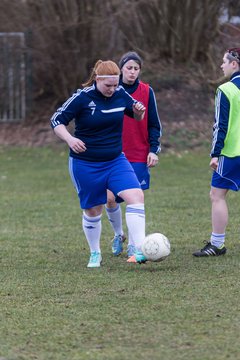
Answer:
(102, 68)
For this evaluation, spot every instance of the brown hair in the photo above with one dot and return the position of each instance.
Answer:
(233, 54)
(130, 55)
(107, 67)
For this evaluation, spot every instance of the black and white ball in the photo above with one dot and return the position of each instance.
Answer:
(156, 247)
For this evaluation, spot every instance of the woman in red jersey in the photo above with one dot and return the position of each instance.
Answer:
(141, 143)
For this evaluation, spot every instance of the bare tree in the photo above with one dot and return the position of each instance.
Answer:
(66, 37)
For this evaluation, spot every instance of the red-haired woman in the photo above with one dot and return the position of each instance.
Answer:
(96, 161)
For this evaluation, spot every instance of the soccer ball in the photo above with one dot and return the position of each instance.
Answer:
(156, 247)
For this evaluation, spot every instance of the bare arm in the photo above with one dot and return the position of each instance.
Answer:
(75, 144)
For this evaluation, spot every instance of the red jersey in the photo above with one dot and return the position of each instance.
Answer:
(135, 133)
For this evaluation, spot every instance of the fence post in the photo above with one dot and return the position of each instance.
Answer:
(12, 77)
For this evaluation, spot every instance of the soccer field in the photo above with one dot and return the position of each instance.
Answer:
(54, 307)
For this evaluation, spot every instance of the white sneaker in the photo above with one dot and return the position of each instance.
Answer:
(95, 260)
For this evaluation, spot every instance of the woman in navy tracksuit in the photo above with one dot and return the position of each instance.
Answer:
(96, 161)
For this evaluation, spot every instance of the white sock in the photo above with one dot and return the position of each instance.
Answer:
(130, 240)
(135, 219)
(217, 239)
(115, 218)
(92, 227)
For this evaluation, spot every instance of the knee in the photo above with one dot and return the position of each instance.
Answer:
(111, 203)
(138, 197)
(212, 195)
(133, 196)
(141, 197)
(95, 211)
(217, 195)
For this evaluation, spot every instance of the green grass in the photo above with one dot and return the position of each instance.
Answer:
(53, 307)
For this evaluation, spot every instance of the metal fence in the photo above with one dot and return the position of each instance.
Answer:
(12, 77)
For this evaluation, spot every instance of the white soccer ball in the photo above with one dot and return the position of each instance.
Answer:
(156, 247)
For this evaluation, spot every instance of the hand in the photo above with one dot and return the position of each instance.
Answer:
(76, 145)
(152, 160)
(214, 163)
(139, 110)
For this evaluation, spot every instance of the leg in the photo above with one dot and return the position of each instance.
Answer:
(219, 210)
(135, 215)
(215, 246)
(114, 213)
(91, 190)
(124, 183)
(219, 216)
(92, 227)
(143, 174)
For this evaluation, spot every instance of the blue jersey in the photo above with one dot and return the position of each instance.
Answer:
(222, 108)
(98, 121)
